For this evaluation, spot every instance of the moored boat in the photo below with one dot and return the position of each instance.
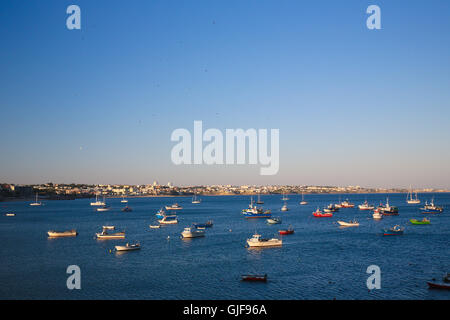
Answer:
(287, 231)
(423, 221)
(103, 208)
(257, 241)
(157, 226)
(303, 202)
(97, 203)
(396, 230)
(412, 200)
(347, 204)
(175, 206)
(388, 210)
(284, 207)
(104, 235)
(195, 200)
(160, 214)
(377, 215)
(124, 200)
(320, 214)
(36, 203)
(10, 214)
(254, 277)
(108, 227)
(255, 212)
(441, 286)
(366, 206)
(207, 224)
(128, 247)
(57, 234)
(274, 220)
(169, 220)
(431, 208)
(353, 223)
(192, 232)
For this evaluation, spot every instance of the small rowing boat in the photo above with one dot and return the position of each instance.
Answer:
(10, 214)
(254, 277)
(155, 226)
(108, 227)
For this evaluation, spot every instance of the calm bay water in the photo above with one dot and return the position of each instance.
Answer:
(319, 261)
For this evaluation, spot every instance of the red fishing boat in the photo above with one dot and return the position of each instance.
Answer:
(290, 230)
(320, 214)
(254, 277)
(432, 285)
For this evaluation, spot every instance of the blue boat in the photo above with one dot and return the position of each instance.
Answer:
(160, 214)
(394, 231)
(256, 212)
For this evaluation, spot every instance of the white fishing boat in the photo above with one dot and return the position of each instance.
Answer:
(377, 215)
(57, 234)
(175, 206)
(284, 207)
(97, 203)
(410, 199)
(195, 200)
(353, 223)
(128, 247)
(169, 220)
(257, 241)
(303, 202)
(192, 233)
(366, 206)
(36, 203)
(104, 235)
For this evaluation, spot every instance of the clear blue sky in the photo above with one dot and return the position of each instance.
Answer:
(98, 105)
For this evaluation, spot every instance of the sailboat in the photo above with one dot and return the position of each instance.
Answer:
(259, 199)
(124, 200)
(97, 202)
(195, 199)
(410, 195)
(284, 198)
(303, 202)
(36, 203)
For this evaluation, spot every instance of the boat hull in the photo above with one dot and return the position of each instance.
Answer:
(56, 234)
(432, 285)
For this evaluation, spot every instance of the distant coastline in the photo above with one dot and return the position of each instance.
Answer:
(28, 199)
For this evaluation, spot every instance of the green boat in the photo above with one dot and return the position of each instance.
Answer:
(424, 221)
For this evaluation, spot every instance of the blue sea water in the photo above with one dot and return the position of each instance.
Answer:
(319, 261)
